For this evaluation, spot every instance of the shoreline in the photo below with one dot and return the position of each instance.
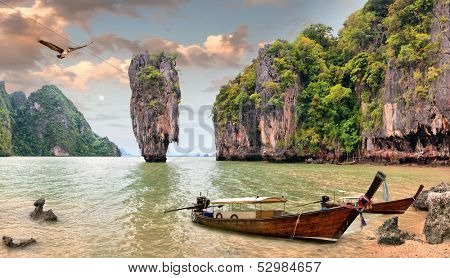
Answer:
(445, 164)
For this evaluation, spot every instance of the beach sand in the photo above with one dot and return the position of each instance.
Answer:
(412, 222)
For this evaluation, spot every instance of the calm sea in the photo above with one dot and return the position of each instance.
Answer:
(113, 207)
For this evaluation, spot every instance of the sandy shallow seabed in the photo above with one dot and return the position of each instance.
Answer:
(411, 248)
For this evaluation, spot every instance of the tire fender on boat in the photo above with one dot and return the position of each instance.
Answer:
(219, 215)
(234, 216)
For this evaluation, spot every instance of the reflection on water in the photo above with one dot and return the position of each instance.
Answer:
(113, 207)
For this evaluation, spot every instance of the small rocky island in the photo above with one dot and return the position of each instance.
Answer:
(154, 103)
(47, 123)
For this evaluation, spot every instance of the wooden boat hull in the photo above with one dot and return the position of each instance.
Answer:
(396, 206)
(391, 207)
(322, 225)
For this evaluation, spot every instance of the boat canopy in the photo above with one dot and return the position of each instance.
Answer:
(249, 200)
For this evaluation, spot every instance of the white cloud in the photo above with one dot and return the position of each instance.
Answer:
(77, 76)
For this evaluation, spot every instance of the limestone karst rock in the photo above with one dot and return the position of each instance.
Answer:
(154, 103)
(9, 242)
(390, 234)
(437, 223)
(39, 214)
(383, 97)
(47, 123)
(264, 127)
(422, 200)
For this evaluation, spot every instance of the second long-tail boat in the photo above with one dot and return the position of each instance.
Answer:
(389, 207)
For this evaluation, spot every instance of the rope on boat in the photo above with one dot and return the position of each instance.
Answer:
(295, 228)
(362, 204)
(386, 195)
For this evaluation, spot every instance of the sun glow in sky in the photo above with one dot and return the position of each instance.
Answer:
(214, 41)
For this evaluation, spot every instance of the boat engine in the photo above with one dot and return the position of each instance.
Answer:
(324, 199)
(202, 203)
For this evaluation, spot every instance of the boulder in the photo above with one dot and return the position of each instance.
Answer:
(422, 200)
(9, 242)
(390, 234)
(40, 214)
(437, 223)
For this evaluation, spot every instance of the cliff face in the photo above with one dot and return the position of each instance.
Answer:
(5, 122)
(237, 135)
(378, 92)
(277, 122)
(416, 105)
(48, 124)
(154, 103)
(261, 122)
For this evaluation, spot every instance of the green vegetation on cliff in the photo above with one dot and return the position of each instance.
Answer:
(49, 124)
(5, 123)
(341, 77)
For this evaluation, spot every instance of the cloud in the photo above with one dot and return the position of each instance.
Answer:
(82, 11)
(77, 76)
(20, 30)
(216, 84)
(26, 65)
(264, 2)
(19, 34)
(216, 51)
(103, 117)
(120, 125)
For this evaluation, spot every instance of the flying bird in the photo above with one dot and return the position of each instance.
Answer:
(62, 52)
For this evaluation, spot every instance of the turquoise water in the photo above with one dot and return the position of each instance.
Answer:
(112, 207)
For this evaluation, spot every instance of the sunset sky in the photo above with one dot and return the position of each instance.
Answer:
(214, 41)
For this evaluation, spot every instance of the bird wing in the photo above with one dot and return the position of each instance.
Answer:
(52, 46)
(79, 47)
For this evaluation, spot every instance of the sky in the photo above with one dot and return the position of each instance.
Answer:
(214, 41)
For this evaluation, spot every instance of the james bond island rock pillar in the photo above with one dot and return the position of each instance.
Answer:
(154, 103)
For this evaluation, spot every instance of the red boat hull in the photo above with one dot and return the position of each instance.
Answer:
(391, 207)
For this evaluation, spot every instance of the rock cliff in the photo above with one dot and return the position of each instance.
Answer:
(154, 103)
(48, 124)
(254, 115)
(5, 123)
(416, 104)
(377, 92)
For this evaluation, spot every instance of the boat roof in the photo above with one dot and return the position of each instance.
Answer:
(249, 200)
(349, 197)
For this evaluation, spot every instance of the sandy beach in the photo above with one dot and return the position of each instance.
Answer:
(412, 222)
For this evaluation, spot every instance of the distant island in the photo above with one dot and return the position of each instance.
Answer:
(47, 123)
(378, 92)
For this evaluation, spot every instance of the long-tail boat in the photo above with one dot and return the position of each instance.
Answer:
(390, 207)
(325, 224)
